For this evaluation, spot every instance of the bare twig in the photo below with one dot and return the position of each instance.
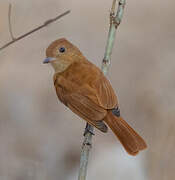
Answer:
(10, 25)
(35, 29)
(114, 23)
(87, 143)
(113, 7)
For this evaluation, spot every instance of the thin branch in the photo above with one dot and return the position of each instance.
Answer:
(114, 23)
(10, 25)
(35, 29)
(115, 20)
(86, 147)
(113, 7)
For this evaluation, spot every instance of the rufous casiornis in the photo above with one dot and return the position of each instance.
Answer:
(83, 88)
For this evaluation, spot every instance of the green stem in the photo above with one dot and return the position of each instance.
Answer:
(114, 23)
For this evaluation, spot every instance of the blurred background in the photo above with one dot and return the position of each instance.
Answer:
(40, 138)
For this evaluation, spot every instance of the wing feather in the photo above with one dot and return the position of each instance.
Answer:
(80, 103)
(86, 106)
(105, 93)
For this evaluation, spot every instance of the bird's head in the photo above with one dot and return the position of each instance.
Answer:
(61, 54)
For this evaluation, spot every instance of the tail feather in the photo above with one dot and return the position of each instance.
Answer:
(131, 141)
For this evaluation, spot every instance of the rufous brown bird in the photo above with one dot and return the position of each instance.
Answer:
(84, 89)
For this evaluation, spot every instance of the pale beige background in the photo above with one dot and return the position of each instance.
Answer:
(40, 139)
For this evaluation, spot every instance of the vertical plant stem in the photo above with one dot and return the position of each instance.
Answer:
(87, 144)
(115, 20)
(114, 23)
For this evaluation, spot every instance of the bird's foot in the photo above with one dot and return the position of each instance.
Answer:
(88, 129)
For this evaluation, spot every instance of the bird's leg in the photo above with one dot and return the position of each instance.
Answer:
(89, 129)
(116, 111)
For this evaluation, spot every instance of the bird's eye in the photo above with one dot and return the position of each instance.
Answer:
(62, 49)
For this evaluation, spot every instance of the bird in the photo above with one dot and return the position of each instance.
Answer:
(83, 88)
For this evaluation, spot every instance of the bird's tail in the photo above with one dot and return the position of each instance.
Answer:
(131, 141)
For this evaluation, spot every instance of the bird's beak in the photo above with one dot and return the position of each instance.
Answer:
(48, 60)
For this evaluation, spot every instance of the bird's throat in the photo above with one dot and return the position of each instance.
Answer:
(60, 66)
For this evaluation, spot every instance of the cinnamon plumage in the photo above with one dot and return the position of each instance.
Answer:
(84, 89)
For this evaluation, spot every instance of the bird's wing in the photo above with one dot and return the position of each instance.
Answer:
(86, 109)
(59, 90)
(105, 93)
(80, 103)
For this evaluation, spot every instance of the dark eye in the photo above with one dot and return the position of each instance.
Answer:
(62, 49)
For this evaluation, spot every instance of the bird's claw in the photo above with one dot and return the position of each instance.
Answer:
(88, 129)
